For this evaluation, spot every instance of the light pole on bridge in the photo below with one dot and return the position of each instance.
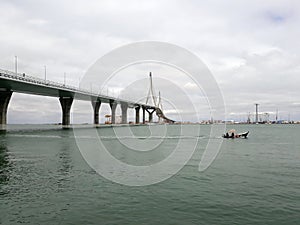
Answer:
(16, 64)
(64, 78)
(45, 72)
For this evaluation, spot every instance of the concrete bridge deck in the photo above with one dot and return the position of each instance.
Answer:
(16, 82)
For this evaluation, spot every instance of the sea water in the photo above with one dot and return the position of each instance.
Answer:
(44, 178)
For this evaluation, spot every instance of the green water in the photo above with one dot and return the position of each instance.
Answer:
(45, 180)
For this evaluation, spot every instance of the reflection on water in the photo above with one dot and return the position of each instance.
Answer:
(64, 160)
(64, 163)
(5, 164)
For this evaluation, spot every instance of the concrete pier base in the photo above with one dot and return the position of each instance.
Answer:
(137, 114)
(96, 103)
(150, 112)
(144, 114)
(124, 107)
(113, 106)
(66, 103)
(4, 101)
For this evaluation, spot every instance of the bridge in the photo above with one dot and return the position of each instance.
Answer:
(16, 82)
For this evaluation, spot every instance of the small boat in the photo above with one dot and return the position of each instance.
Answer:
(232, 135)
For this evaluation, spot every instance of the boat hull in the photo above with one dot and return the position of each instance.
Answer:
(240, 135)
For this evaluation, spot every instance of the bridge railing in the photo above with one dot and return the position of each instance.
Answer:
(35, 80)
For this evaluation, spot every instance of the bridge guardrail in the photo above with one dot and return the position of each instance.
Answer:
(35, 80)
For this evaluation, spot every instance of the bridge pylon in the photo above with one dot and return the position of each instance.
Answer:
(66, 104)
(157, 104)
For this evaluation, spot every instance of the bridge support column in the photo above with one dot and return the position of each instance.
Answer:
(144, 114)
(96, 103)
(4, 101)
(124, 108)
(66, 103)
(150, 114)
(137, 115)
(113, 106)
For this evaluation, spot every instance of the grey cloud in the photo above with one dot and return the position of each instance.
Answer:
(250, 46)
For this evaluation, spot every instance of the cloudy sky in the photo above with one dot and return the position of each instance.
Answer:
(251, 47)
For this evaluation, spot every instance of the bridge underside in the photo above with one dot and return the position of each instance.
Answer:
(66, 104)
(11, 82)
(44, 90)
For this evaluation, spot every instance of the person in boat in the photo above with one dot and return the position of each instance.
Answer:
(232, 135)
(226, 135)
